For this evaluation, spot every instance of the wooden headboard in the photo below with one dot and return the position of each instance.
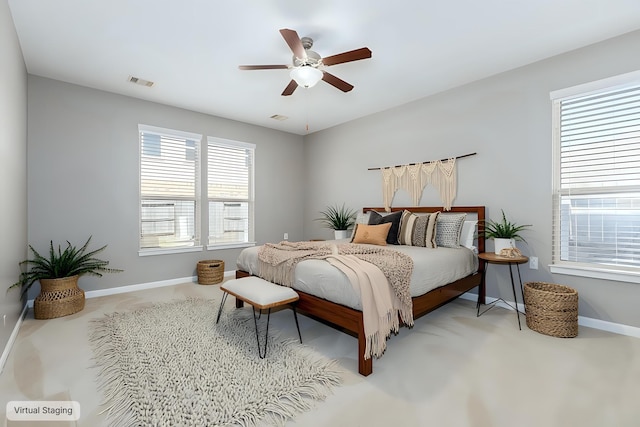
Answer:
(476, 212)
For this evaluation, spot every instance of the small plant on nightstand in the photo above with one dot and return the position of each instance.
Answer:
(339, 219)
(504, 232)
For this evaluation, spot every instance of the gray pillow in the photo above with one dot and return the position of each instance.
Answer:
(448, 229)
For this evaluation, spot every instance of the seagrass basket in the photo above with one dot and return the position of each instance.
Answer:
(551, 309)
(210, 272)
(58, 297)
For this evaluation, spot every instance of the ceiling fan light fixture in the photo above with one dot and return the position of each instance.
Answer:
(306, 76)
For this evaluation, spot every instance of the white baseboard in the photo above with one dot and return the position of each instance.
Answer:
(141, 286)
(616, 328)
(12, 339)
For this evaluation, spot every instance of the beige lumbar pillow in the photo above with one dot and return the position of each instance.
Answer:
(371, 234)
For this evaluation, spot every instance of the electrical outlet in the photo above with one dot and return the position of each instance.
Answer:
(533, 263)
(286, 236)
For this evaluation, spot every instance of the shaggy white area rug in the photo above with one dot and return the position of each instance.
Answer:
(172, 365)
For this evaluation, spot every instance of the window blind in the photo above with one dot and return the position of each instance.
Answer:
(230, 190)
(597, 178)
(169, 188)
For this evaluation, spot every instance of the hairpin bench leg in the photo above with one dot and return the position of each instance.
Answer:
(224, 299)
(295, 316)
(266, 334)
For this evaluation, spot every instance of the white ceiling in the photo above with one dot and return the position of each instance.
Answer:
(191, 49)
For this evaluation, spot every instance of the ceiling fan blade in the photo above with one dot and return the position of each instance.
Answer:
(352, 55)
(262, 67)
(334, 81)
(290, 88)
(292, 39)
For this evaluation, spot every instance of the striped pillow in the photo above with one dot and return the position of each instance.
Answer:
(418, 230)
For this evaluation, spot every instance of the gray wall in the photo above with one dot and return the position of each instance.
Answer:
(506, 119)
(83, 177)
(83, 166)
(13, 170)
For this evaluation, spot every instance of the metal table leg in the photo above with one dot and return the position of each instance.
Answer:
(484, 283)
(513, 287)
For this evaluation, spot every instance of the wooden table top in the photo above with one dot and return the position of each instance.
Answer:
(492, 257)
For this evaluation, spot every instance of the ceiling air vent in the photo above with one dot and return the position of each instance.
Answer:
(278, 117)
(140, 81)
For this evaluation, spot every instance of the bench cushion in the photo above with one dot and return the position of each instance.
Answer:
(259, 292)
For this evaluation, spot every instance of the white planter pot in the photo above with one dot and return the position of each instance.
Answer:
(501, 244)
(341, 234)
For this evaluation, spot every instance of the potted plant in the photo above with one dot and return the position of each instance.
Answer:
(339, 219)
(58, 276)
(504, 233)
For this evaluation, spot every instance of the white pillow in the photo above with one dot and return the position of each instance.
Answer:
(361, 218)
(467, 235)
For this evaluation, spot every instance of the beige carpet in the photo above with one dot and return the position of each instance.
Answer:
(451, 369)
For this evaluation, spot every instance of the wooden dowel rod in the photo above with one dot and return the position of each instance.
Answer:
(410, 164)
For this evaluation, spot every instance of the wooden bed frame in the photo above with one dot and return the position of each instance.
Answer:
(350, 320)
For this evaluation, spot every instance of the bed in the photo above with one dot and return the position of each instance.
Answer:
(320, 300)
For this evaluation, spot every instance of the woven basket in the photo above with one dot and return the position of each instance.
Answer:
(551, 309)
(58, 297)
(210, 272)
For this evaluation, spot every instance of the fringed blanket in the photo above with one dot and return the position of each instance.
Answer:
(278, 261)
(381, 276)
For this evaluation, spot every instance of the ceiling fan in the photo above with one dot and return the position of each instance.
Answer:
(306, 69)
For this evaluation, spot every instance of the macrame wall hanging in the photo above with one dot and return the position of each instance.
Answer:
(414, 177)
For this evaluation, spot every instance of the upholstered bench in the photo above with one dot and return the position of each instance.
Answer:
(262, 295)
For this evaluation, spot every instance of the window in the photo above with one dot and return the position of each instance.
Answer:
(596, 134)
(169, 190)
(230, 192)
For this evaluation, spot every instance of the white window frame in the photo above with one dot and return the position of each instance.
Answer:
(618, 273)
(250, 200)
(193, 245)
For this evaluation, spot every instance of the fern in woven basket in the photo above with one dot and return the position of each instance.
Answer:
(69, 262)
